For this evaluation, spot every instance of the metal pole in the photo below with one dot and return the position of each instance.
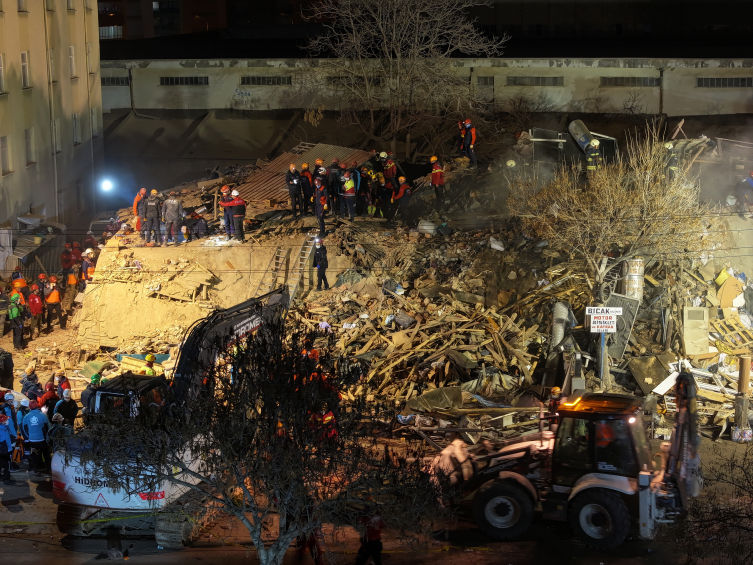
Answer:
(741, 398)
(603, 365)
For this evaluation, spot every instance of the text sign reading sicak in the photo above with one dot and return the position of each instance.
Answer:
(603, 319)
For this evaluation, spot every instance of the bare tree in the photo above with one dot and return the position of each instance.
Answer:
(263, 432)
(624, 209)
(719, 526)
(523, 106)
(391, 63)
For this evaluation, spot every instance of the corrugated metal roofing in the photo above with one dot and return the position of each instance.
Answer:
(269, 182)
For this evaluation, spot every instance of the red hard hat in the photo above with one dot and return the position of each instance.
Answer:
(67, 245)
(49, 386)
(354, 164)
(225, 188)
(346, 174)
(34, 287)
(467, 122)
(42, 276)
(53, 278)
(76, 244)
(17, 268)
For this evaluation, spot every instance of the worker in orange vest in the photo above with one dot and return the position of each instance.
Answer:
(437, 181)
(87, 267)
(53, 299)
(18, 281)
(400, 199)
(21, 299)
(139, 196)
(71, 287)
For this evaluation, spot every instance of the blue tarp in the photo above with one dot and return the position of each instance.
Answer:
(159, 356)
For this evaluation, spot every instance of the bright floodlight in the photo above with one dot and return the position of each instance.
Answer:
(106, 185)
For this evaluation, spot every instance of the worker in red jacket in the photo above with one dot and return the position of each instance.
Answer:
(437, 181)
(307, 187)
(468, 142)
(139, 196)
(76, 251)
(36, 309)
(66, 259)
(390, 171)
(237, 208)
(400, 199)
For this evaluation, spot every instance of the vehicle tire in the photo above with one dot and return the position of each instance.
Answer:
(600, 518)
(173, 531)
(502, 510)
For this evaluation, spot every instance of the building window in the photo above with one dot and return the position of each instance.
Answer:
(535, 81)
(58, 147)
(93, 122)
(88, 4)
(89, 65)
(485, 81)
(632, 82)
(5, 167)
(25, 82)
(75, 122)
(114, 81)
(71, 4)
(737, 82)
(49, 5)
(2, 73)
(184, 81)
(267, 81)
(29, 145)
(22, 6)
(72, 60)
(51, 57)
(111, 32)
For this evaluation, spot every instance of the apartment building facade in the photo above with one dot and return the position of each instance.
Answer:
(51, 150)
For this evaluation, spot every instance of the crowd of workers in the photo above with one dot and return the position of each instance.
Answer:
(156, 215)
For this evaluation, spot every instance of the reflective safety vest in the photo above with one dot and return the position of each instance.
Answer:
(90, 270)
(593, 159)
(149, 371)
(53, 297)
(72, 279)
(349, 188)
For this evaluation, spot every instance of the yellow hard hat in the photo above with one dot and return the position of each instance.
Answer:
(433, 159)
(511, 163)
(305, 166)
(668, 145)
(154, 191)
(556, 390)
(401, 179)
(151, 358)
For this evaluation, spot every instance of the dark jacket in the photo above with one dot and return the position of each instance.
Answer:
(150, 207)
(320, 257)
(57, 434)
(172, 210)
(200, 228)
(68, 409)
(293, 180)
(237, 206)
(307, 183)
(333, 177)
(88, 398)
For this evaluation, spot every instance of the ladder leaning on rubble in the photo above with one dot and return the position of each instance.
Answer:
(268, 281)
(300, 264)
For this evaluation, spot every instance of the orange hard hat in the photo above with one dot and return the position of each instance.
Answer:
(42, 276)
(53, 278)
(305, 166)
(467, 122)
(353, 164)
(319, 161)
(34, 287)
(17, 268)
(67, 245)
(401, 179)
(225, 188)
(292, 166)
(433, 159)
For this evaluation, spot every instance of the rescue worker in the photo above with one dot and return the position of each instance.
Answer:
(8, 408)
(469, 141)
(58, 432)
(49, 399)
(90, 241)
(36, 309)
(371, 540)
(67, 407)
(71, 287)
(555, 398)
(744, 195)
(76, 251)
(237, 208)
(293, 180)
(148, 368)
(4, 304)
(672, 163)
(140, 225)
(87, 268)
(307, 188)
(62, 382)
(384, 195)
(400, 200)
(54, 306)
(6, 450)
(66, 259)
(390, 171)
(363, 192)
(30, 386)
(320, 199)
(88, 397)
(437, 181)
(320, 260)
(18, 282)
(349, 195)
(227, 217)
(172, 215)
(25, 450)
(16, 319)
(320, 172)
(34, 429)
(150, 211)
(593, 156)
(333, 185)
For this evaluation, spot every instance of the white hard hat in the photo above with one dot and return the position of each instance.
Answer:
(595, 142)
(383, 155)
(511, 163)
(668, 145)
(90, 232)
(235, 193)
(88, 251)
(25, 402)
(9, 396)
(67, 393)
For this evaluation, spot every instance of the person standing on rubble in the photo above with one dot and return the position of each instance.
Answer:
(71, 287)
(237, 208)
(227, 217)
(140, 226)
(16, 319)
(320, 260)
(333, 185)
(437, 181)
(320, 200)
(593, 156)
(89, 395)
(172, 215)
(307, 188)
(293, 180)
(87, 269)
(67, 407)
(36, 309)
(390, 171)
(150, 211)
(673, 164)
(66, 259)
(76, 251)
(744, 195)
(469, 142)
(349, 195)
(399, 200)
(54, 306)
